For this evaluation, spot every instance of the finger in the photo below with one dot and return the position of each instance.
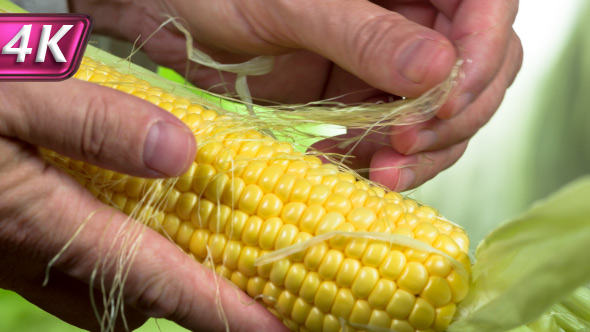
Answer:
(380, 46)
(46, 209)
(400, 172)
(99, 125)
(482, 32)
(421, 12)
(439, 134)
(357, 154)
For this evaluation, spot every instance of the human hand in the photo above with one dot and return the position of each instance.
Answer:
(41, 208)
(364, 51)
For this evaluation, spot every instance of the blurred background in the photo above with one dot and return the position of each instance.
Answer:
(538, 141)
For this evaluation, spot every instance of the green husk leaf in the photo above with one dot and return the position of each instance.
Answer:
(8, 7)
(526, 265)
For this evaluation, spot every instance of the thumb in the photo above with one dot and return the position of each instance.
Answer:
(380, 46)
(98, 125)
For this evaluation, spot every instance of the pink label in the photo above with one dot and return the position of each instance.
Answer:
(47, 47)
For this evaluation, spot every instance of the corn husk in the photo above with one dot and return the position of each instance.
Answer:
(529, 264)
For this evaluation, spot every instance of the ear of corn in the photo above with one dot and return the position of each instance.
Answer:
(379, 262)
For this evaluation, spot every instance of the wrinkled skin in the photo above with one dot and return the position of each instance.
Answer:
(356, 46)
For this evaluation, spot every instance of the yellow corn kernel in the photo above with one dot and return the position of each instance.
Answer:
(444, 316)
(216, 187)
(401, 326)
(315, 319)
(309, 287)
(171, 225)
(401, 304)
(246, 260)
(198, 243)
(375, 254)
(270, 206)
(200, 216)
(295, 277)
(185, 181)
(300, 311)
(331, 324)
(343, 303)
(236, 224)
(292, 212)
(364, 282)
(340, 241)
(438, 265)
(285, 302)
(264, 270)
(379, 319)
(271, 293)
(422, 314)
(338, 203)
(315, 255)
(330, 264)
(279, 271)
(300, 191)
(203, 175)
(253, 172)
(216, 245)
(437, 291)
(231, 255)
(311, 218)
(269, 178)
(358, 197)
(361, 217)
(285, 186)
(459, 286)
(356, 248)
(269, 232)
(329, 223)
(233, 191)
(255, 286)
(251, 231)
(183, 237)
(381, 293)
(237, 278)
(186, 204)
(348, 271)
(250, 199)
(413, 277)
(361, 312)
(286, 236)
(325, 295)
(344, 188)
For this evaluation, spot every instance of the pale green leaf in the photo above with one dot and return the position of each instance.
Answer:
(526, 265)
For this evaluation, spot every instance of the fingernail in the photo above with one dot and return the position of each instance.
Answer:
(417, 58)
(462, 102)
(407, 177)
(425, 139)
(168, 148)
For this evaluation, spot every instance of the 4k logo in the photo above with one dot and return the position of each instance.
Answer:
(27, 39)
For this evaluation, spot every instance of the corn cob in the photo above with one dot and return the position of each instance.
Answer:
(247, 196)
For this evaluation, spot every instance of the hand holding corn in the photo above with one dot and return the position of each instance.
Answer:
(41, 207)
(363, 50)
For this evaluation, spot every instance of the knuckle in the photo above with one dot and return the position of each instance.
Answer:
(97, 129)
(162, 299)
(517, 58)
(374, 38)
